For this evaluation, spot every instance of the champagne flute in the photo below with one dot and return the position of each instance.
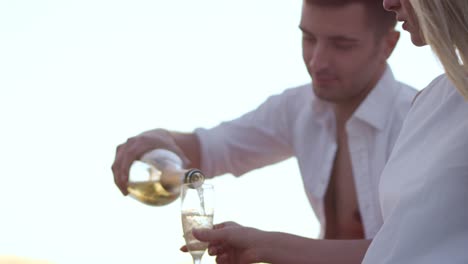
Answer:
(197, 212)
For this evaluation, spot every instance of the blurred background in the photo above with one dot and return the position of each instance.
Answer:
(77, 78)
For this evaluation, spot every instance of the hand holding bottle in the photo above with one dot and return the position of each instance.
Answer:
(156, 178)
(136, 147)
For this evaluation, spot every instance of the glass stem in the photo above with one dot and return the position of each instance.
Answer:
(196, 260)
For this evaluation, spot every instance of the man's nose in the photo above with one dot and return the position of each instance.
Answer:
(320, 58)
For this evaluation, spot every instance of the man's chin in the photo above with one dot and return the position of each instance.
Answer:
(325, 94)
(329, 99)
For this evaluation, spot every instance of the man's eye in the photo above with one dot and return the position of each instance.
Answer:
(344, 46)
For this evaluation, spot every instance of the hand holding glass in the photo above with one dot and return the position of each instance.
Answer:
(197, 212)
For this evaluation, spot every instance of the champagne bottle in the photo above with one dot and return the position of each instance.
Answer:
(156, 178)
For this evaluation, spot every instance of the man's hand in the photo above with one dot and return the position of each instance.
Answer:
(135, 147)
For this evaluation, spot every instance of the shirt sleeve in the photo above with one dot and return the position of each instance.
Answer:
(256, 139)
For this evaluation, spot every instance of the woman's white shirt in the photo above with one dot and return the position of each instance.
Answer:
(424, 186)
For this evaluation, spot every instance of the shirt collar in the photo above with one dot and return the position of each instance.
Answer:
(375, 107)
(379, 102)
(319, 106)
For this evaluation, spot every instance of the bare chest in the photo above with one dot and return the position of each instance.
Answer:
(343, 220)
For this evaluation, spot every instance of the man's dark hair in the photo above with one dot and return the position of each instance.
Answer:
(382, 20)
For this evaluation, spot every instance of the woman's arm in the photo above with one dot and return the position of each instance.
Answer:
(288, 248)
(233, 243)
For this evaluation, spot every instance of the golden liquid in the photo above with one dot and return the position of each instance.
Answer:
(194, 220)
(151, 193)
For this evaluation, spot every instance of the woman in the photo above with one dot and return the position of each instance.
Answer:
(424, 186)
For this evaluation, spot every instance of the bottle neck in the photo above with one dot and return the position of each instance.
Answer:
(194, 177)
(172, 179)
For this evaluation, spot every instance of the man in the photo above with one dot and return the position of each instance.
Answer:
(341, 128)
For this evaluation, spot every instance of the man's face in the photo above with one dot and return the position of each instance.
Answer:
(340, 51)
(405, 13)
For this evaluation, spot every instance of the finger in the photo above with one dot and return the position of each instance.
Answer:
(184, 248)
(212, 251)
(222, 259)
(126, 154)
(219, 226)
(216, 250)
(227, 224)
(226, 258)
(124, 170)
(209, 235)
(119, 178)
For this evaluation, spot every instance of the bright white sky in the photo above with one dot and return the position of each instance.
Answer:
(77, 78)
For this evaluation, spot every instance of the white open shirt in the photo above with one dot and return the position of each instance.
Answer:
(424, 187)
(296, 123)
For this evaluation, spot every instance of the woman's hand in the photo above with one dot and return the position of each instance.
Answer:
(232, 243)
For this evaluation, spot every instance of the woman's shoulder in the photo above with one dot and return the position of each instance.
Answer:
(438, 87)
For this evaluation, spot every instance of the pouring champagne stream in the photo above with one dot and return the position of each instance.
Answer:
(158, 179)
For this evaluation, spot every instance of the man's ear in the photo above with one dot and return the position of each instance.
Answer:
(390, 41)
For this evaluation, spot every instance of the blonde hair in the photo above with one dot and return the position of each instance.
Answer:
(444, 26)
